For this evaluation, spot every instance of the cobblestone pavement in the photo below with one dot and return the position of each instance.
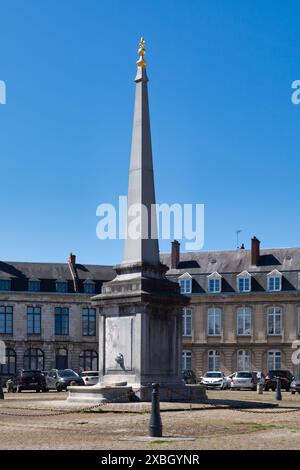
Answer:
(124, 426)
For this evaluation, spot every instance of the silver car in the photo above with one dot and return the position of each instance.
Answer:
(90, 377)
(243, 379)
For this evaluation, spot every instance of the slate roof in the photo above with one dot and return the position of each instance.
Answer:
(199, 264)
(48, 273)
(236, 261)
(231, 263)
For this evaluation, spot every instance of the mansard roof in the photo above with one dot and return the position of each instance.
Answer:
(54, 271)
(236, 261)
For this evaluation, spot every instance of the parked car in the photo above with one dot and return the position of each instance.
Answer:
(295, 385)
(60, 379)
(243, 379)
(189, 376)
(285, 379)
(214, 379)
(90, 377)
(29, 380)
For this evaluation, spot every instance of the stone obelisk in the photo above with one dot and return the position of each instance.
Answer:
(140, 309)
(141, 192)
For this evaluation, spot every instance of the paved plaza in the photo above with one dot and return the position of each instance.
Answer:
(230, 420)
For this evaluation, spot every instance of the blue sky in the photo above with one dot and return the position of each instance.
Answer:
(224, 130)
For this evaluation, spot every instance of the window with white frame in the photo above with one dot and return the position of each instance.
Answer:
(274, 281)
(244, 282)
(214, 322)
(185, 283)
(214, 283)
(186, 360)
(274, 321)
(274, 360)
(244, 321)
(214, 360)
(243, 360)
(185, 286)
(187, 322)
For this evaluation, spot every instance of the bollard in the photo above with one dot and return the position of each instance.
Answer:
(9, 386)
(1, 390)
(260, 388)
(278, 389)
(155, 424)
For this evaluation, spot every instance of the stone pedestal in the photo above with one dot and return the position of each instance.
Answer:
(124, 394)
(140, 327)
(100, 394)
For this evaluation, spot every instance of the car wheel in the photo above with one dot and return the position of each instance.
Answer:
(59, 388)
(293, 393)
(38, 390)
(45, 390)
(19, 389)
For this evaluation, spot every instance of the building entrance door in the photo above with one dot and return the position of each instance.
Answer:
(61, 359)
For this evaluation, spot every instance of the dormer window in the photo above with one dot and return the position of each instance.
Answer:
(214, 283)
(5, 284)
(34, 285)
(185, 282)
(244, 282)
(89, 287)
(274, 281)
(61, 286)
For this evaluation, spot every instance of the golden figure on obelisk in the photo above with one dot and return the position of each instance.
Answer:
(141, 52)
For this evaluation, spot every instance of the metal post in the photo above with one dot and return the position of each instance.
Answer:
(155, 424)
(278, 390)
(1, 390)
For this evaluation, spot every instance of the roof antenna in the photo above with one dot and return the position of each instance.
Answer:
(237, 238)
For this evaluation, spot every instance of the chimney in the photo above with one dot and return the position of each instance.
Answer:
(175, 255)
(72, 259)
(255, 251)
(242, 247)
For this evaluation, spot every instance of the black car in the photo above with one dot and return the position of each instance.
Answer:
(29, 380)
(189, 377)
(285, 379)
(59, 380)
